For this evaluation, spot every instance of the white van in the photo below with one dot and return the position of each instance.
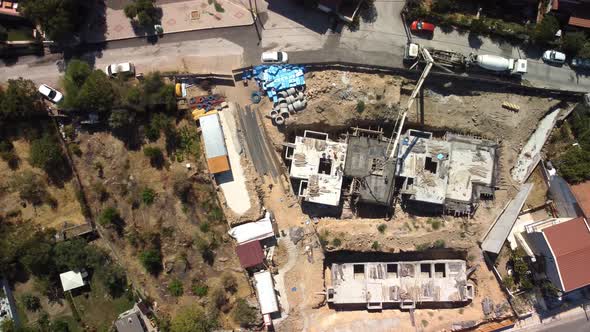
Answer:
(274, 57)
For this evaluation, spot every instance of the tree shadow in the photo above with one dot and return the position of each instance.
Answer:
(310, 18)
(368, 12)
(474, 40)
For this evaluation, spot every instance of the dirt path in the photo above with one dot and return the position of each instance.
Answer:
(280, 277)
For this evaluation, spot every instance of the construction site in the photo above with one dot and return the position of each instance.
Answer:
(372, 163)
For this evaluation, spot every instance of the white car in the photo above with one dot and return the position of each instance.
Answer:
(50, 93)
(554, 56)
(120, 68)
(274, 57)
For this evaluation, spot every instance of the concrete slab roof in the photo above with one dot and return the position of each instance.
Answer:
(212, 136)
(320, 161)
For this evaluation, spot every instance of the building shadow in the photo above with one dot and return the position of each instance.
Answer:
(224, 177)
(310, 18)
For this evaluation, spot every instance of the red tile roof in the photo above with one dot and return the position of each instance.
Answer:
(570, 243)
(582, 193)
(579, 22)
(250, 254)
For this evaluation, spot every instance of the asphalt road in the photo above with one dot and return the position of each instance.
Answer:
(308, 36)
(577, 323)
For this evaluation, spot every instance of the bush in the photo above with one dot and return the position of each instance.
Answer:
(200, 289)
(217, 298)
(204, 227)
(229, 282)
(360, 106)
(143, 12)
(114, 279)
(75, 149)
(244, 314)
(381, 228)
(155, 154)
(46, 154)
(438, 244)
(443, 6)
(31, 302)
(435, 224)
(478, 26)
(151, 261)
(175, 288)
(544, 32)
(8, 154)
(148, 196)
(574, 165)
(192, 319)
(31, 188)
(336, 242)
(375, 245)
(109, 216)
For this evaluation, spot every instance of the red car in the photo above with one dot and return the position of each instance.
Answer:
(421, 26)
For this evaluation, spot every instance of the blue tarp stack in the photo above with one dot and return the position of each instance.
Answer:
(275, 78)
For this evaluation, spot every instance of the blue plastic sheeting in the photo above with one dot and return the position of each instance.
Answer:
(275, 78)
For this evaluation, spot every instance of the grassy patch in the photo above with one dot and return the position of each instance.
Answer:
(97, 309)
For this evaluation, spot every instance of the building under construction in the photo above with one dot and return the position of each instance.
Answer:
(448, 175)
(403, 284)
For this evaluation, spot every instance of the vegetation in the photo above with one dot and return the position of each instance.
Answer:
(31, 302)
(143, 13)
(199, 288)
(381, 228)
(175, 288)
(148, 196)
(3, 33)
(155, 154)
(360, 106)
(244, 314)
(192, 319)
(31, 188)
(375, 245)
(544, 32)
(8, 154)
(109, 216)
(58, 18)
(573, 42)
(229, 282)
(336, 242)
(151, 261)
(20, 100)
(574, 164)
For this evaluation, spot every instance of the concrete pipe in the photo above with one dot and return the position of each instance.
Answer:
(274, 113)
(300, 95)
(283, 93)
(284, 114)
(291, 99)
(284, 109)
(291, 108)
(298, 105)
(279, 120)
(291, 91)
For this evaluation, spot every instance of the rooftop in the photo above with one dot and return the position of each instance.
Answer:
(266, 292)
(581, 192)
(250, 254)
(129, 321)
(72, 280)
(215, 149)
(570, 244)
(319, 162)
(454, 169)
(410, 282)
(367, 160)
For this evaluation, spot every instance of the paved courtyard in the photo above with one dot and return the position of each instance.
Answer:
(110, 22)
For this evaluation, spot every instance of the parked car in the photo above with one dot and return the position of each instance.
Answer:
(554, 56)
(50, 93)
(120, 68)
(420, 26)
(581, 63)
(274, 57)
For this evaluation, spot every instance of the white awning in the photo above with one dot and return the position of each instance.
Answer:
(71, 280)
(257, 230)
(266, 292)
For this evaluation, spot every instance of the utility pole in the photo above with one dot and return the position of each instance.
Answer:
(255, 18)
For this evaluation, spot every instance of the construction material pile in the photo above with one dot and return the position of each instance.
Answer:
(284, 85)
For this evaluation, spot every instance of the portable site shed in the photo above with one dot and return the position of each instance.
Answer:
(266, 292)
(215, 148)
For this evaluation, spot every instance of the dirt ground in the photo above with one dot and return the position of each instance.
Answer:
(333, 98)
(66, 213)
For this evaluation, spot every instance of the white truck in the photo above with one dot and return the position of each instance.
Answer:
(500, 64)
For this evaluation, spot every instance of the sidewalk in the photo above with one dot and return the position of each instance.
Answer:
(110, 23)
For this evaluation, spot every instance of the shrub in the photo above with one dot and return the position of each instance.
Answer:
(151, 261)
(204, 227)
(109, 216)
(229, 282)
(375, 245)
(148, 196)
(31, 302)
(381, 228)
(75, 149)
(544, 32)
(360, 106)
(46, 153)
(175, 288)
(573, 42)
(336, 242)
(217, 298)
(478, 26)
(155, 154)
(8, 154)
(442, 6)
(435, 224)
(31, 187)
(244, 314)
(438, 244)
(200, 289)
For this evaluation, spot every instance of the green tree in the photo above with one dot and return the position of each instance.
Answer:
(97, 93)
(192, 319)
(71, 255)
(59, 325)
(30, 187)
(143, 13)
(443, 6)
(120, 119)
(31, 302)
(3, 33)
(544, 32)
(38, 258)
(573, 42)
(175, 288)
(114, 279)
(20, 100)
(585, 51)
(244, 314)
(155, 154)
(574, 165)
(478, 26)
(151, 261)
(76, 74)
(58, 18)
(109, 216)
(46, 153)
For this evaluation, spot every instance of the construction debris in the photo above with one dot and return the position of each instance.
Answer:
(511, 106)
